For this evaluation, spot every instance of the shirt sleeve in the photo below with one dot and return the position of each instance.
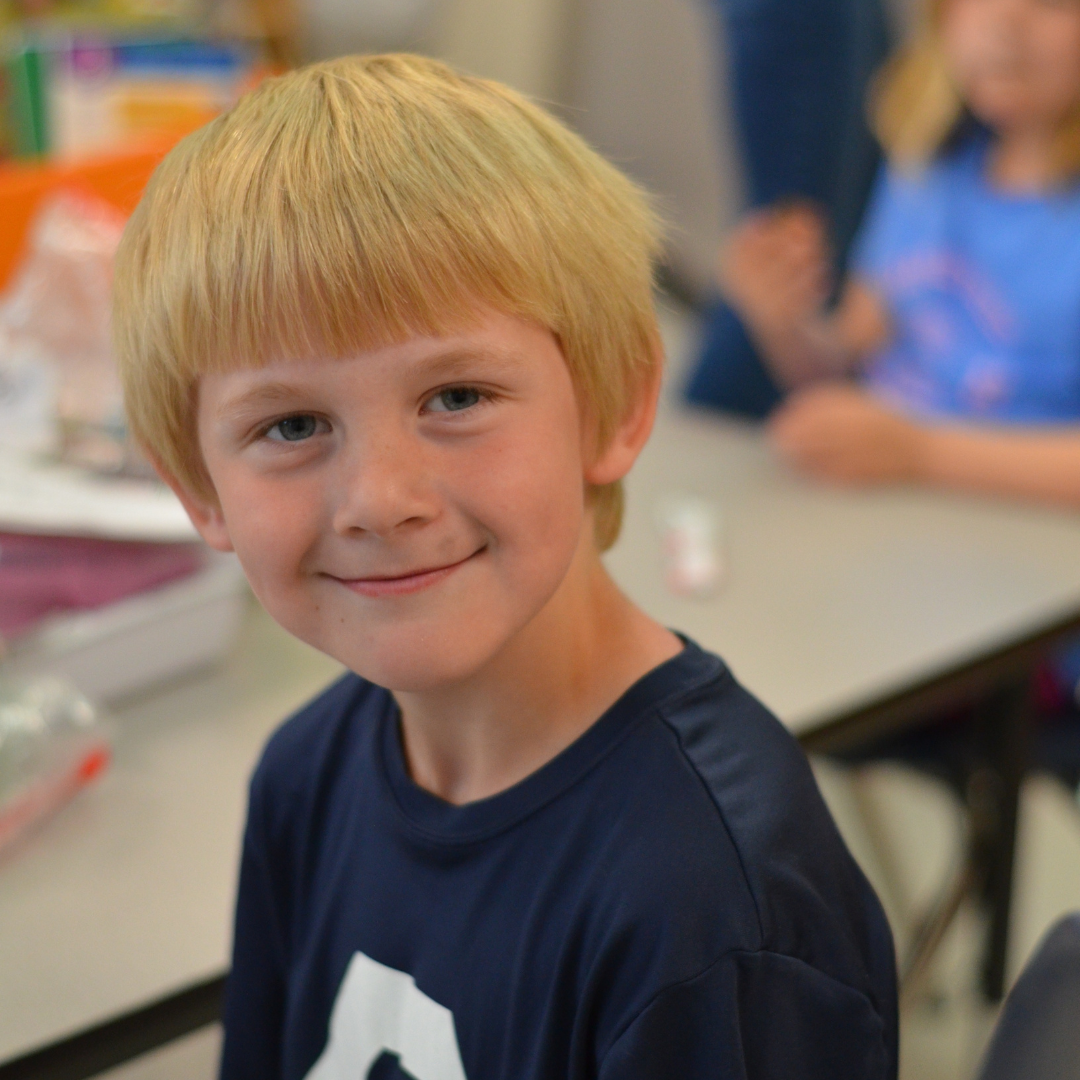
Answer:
(254, 995)
(881, 236)
(754, 1016)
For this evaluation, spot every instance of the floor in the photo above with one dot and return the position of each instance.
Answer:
(905, 831)
(944, 1032)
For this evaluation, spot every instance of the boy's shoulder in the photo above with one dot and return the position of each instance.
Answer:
(812, 902)
(729, 739)
(688, 736)
(308, 734)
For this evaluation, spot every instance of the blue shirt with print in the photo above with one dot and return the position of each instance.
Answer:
(983, 288)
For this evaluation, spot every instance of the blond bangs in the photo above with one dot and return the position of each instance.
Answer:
(361, 201)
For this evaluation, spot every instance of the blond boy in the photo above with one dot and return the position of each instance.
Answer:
(389, 334)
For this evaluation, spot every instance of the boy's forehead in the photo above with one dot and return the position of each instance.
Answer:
(494, 344)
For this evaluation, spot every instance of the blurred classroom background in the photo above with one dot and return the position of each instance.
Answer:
(101, 581)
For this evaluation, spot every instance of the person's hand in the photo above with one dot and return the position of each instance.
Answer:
(839, 432)
(774, 269)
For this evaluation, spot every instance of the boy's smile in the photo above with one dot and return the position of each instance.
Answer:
(401, 584)
(408, 510)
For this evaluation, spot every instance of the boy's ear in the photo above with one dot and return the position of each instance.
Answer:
(205, 513)
(616, 459)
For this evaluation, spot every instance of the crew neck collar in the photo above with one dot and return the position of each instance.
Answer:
(975, 153)
(431, 818)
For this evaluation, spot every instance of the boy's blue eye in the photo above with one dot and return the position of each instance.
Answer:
(454, 399)
(294, 428)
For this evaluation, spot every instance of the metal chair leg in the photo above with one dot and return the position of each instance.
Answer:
(981, 811)
(932, 929)
(992, 797)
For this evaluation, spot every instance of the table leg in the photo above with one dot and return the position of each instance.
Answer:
(1003, 731)
(90, 1052)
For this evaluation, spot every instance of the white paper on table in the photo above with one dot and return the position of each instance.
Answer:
(691, 543)
(40, 497)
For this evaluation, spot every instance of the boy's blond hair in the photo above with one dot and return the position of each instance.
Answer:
(917, 109)
(359, 201)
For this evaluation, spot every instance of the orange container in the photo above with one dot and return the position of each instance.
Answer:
(118, 178)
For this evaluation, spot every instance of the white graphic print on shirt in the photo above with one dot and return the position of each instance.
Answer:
(379, 1014)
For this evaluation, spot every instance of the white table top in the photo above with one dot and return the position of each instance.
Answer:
(837, 598)
(126, 894)
(833, 599)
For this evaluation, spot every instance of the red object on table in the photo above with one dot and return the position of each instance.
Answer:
(48, 792)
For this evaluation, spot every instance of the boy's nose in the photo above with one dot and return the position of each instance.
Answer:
(382, 487)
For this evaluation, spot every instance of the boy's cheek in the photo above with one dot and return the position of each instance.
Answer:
(532, 520)
(204, 512)
(270, 534)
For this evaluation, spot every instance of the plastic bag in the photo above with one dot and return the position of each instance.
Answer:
(52, 744)
(29, 423)
(56, 313)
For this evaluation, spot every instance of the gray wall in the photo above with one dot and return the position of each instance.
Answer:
(521, 42)
(647, 88)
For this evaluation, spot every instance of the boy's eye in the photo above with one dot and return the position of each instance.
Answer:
(453, 399)
(294, 428)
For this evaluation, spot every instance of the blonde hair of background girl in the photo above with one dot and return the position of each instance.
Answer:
(916, 107)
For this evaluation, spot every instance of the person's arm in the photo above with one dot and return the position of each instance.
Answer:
(755, 1016)
(1029, 463)
(774, 271)
(844, 434)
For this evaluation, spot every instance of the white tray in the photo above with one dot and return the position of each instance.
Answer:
(61, 500)
(128, 646)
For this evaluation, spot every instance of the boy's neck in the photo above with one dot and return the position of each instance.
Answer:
(547, 686)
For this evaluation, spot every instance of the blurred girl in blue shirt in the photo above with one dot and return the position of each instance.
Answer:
(961, 315)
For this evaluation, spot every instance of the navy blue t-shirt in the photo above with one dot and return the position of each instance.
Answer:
(666, 898)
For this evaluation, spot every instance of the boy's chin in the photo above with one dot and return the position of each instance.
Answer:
(418, 662)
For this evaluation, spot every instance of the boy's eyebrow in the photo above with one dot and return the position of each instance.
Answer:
(456, 360)
(459, 359)
(274, 393)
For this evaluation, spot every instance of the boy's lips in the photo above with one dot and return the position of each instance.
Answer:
(403, 584)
